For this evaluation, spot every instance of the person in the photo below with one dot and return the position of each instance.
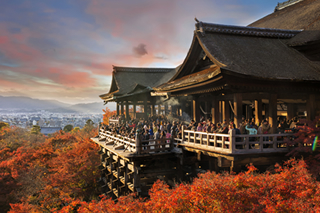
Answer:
(169, 125)
(173, 129)
(218, 129)
(158, 134)
(151, 132)
(199, 128)
(224, 129)
(282, 126)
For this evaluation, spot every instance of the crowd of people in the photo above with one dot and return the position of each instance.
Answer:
(158, 127)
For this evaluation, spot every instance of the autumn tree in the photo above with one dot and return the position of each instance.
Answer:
(3, 125)
(107, 114)
(306, 144)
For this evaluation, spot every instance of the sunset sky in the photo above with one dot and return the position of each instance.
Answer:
(65, 49)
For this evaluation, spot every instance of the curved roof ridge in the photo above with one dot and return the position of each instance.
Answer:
(285, 4)
(141, 69)
(245, 30)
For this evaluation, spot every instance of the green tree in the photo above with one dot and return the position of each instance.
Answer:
(35, 129)
(68, 128)
(3, 124)
(76, 129)
(89, 123)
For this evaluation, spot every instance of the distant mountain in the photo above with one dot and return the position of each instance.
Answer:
(26, 103)
(95, 107)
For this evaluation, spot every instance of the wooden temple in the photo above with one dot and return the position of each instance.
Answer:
(131, 87)
(267, 70)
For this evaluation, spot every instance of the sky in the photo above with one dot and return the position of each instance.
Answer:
(65, 49)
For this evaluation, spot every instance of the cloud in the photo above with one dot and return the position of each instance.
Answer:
(63, 49)
(139, 50)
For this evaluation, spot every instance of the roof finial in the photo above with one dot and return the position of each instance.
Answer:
(195, 18)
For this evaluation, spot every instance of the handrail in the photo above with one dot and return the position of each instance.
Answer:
(236, 144)
(138, 146)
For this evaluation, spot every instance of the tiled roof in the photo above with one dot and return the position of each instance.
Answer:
(246, 31)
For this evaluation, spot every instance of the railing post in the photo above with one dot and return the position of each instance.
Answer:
(223, 142)
(194, 137)
(232, 141)
(275, 143)
(215, 140)
(261, 142)
(138, 143)
(208, 139)
(182, 134)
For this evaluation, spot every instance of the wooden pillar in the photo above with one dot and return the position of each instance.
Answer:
(166, 109)
(127, 110)
(196, 109)
(145, 109)
(122, 110)
(126, 171)
(290, 111)
(248, 112)
(226, 111)
(235, 167)
(258, 110)
(215, 111)
(134, 109)
(237, 104)
(220, 111)
(273, 112)
(206, 109)
(117, 109)
(311, 108)
(223, 110)
(152, 110)
(136, 178)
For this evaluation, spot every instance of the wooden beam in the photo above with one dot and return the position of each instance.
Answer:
(237, 104)
(127, 110)
(215, 111)
(118, 109)
(227, 111)
(290, 111)
(134, 109)
(311, 108)
(273, 112)
(206, 109)
(122, 108)
(258, 111)
(196, 109)
(145, 109)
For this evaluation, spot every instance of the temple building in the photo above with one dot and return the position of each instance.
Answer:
(132, 86)
(269, 69)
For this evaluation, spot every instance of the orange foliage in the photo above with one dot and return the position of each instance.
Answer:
(41, 177)
(59, 175)
(290, 189)
(107, 114)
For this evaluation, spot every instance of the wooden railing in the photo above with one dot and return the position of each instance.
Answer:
(118, 141)
(137, 145)
(214, 142)
(236, 144)
(114, 121)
